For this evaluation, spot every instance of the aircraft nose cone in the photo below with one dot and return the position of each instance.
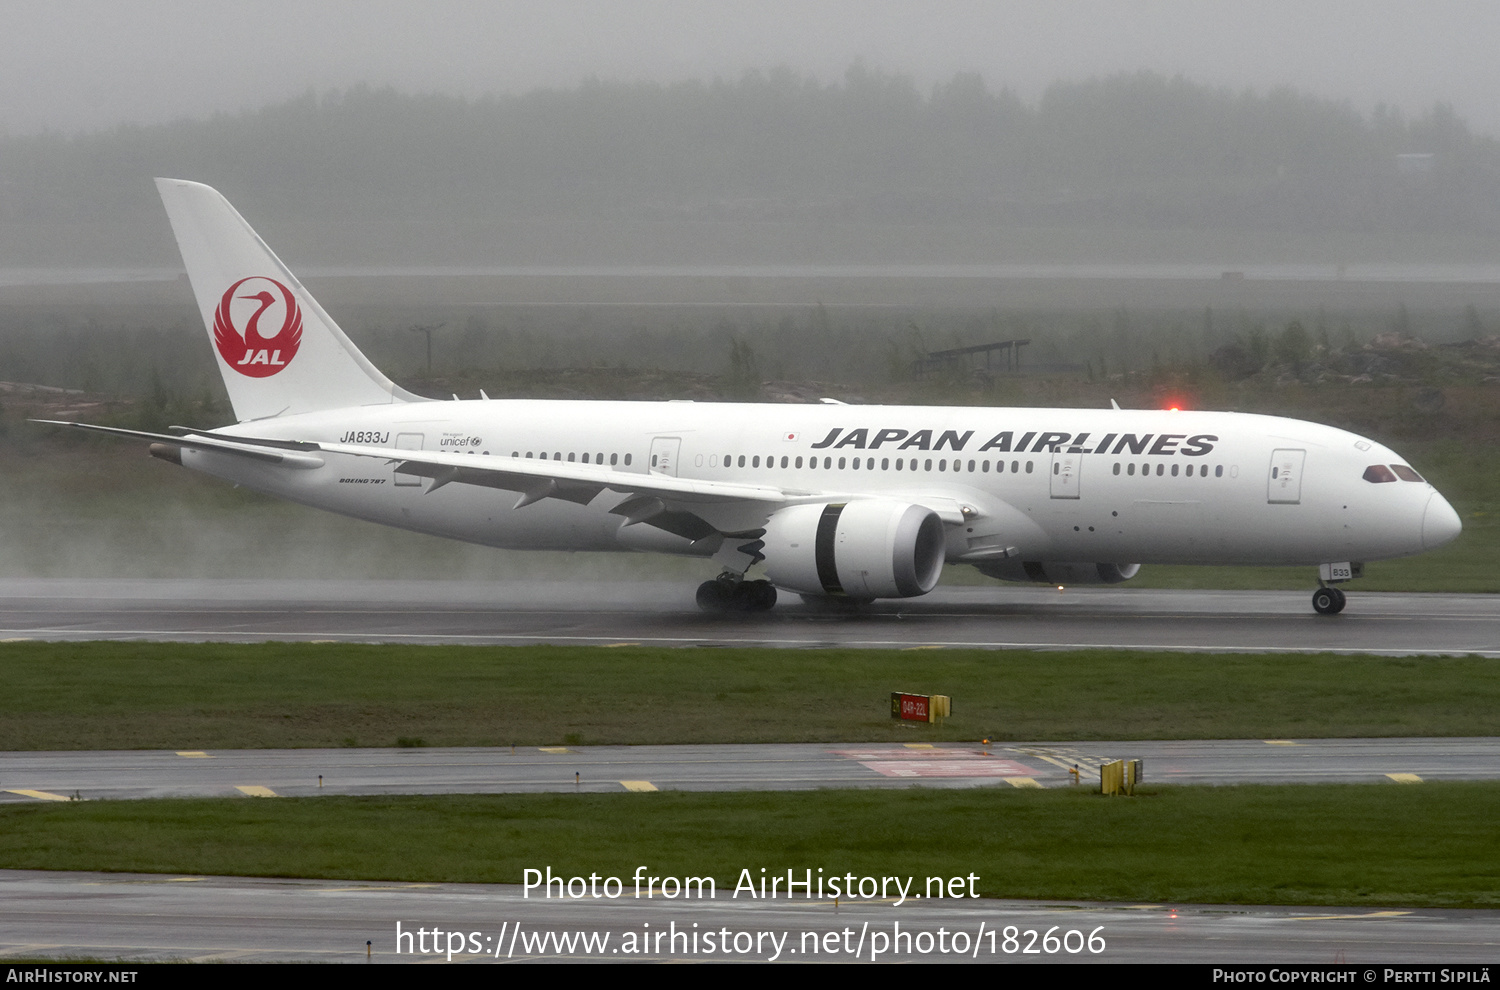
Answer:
(1440, 524)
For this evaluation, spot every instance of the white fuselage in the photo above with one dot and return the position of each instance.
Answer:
(1137, 486)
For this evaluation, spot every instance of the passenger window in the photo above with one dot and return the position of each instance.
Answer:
(1219, 471)
(1130, 469)
(1028, 467)
(1161, 469)
(885, 464)
(627, 460)
(755, 461)
(1174, 470)
(841, 464)
(799, 462)
(614, 458)
(1378, 474)
(1117, 467)
(1405, 473)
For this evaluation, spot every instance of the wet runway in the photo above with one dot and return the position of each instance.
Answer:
(663, 614)
(143, 917)
(26, 776)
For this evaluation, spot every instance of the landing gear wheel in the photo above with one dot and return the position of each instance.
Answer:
(1328, 601)
(755, 596)
(721, 595)
(715, 596)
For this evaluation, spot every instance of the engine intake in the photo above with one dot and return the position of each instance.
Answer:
(1057, 572)
(869, 548)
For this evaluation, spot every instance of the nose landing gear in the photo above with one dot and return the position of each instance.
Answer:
(1328, 601)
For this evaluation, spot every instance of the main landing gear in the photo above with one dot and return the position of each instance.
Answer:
(1328, 601)
(728, 594)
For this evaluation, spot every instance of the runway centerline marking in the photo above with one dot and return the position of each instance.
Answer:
(173, 635)
(255, 790)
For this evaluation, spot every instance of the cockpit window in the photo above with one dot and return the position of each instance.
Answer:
(1405, 473)
(1379, 474)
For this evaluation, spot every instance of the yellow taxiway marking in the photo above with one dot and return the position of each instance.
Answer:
(1083, 765)
(919, 745)
(552, 749)
(254, 790)
(1347, 917)
(196, 754)
(1022, 782)
(638, 785)
(39, 795)
(1405, 778)
(366, 889)
(16, 639)
(184, 879)
(610, 646)
(1281, 742)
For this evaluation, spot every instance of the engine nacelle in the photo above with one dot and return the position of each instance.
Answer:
(867, 548)
(1057, 572)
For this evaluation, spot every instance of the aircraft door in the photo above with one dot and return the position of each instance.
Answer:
(664, 452)
(1284, 481)
(1065, 468)
(409, 441)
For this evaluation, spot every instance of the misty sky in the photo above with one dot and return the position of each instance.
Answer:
(83, 64)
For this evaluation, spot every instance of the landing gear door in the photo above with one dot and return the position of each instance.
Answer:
(1065, 468)
(664, 455)
(1284, 480)
(408, 441)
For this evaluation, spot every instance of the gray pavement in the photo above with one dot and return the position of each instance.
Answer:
(663, 614)
(143, 918)
(32, 776)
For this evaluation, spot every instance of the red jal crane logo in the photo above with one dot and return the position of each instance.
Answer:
(237, 327)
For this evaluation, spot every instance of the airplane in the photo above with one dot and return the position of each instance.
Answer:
(840, 504)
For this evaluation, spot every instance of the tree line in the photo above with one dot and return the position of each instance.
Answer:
(1135, 150)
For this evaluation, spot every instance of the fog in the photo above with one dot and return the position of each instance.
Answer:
(71, 65)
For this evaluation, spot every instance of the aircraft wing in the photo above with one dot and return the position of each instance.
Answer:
(688, 507)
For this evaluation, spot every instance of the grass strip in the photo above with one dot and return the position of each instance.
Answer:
(61, 696)
(1427, 845)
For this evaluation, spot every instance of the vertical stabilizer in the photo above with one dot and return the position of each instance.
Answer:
(278, 351)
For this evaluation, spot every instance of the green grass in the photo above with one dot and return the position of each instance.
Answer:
(1425, 845)
(217, 696)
